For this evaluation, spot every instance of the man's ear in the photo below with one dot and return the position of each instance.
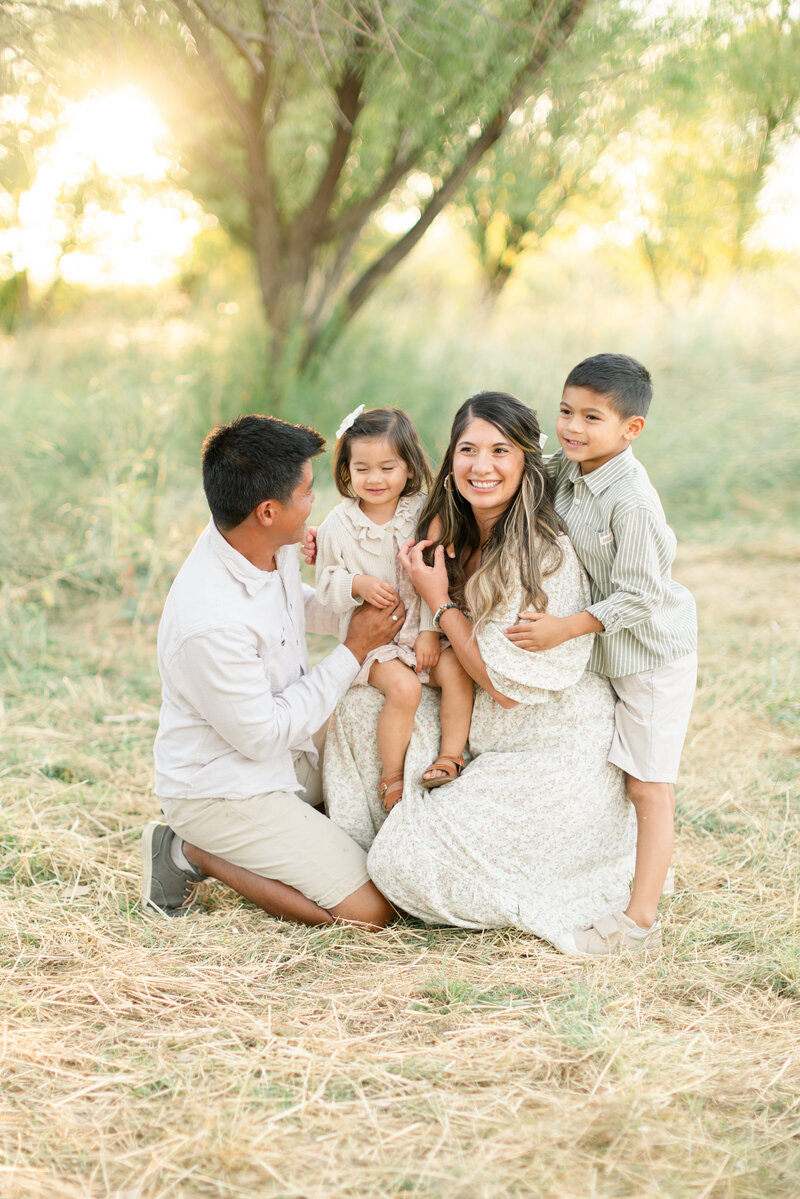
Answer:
(264, 513)
(633, 428)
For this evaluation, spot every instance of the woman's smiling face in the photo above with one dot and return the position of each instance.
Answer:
(487, 468)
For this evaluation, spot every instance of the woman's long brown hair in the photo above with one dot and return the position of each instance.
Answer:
(523, 541)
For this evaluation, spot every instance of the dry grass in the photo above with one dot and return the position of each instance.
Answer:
(230, 1055)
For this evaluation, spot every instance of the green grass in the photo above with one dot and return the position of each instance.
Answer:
(229, 1055)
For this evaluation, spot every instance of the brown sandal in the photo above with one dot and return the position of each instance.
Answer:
(390, 790)
(451, 766)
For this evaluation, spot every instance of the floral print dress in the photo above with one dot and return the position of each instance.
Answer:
(536, 834)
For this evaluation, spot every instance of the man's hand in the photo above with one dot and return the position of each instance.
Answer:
(374, 591)
(371, 627)
(427, 648)
(309, 545)
(538, 631)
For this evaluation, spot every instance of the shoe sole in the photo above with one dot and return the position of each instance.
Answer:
(148, 833)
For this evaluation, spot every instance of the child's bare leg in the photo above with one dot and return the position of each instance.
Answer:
(402, 689)
(456, 708)
(655, 813)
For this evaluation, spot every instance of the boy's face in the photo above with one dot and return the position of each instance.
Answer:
(590, 431)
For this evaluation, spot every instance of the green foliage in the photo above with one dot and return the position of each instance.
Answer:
(102, 422)
(728, 102)
(667, 125)
(296, 127)
(546, 162)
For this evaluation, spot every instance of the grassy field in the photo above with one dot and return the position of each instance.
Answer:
(230, 1055)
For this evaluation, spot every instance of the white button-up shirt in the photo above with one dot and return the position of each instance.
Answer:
(237, 695)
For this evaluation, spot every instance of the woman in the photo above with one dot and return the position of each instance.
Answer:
(536, 833)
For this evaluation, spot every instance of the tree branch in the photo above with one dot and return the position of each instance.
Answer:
(223, 85)
(354, 217)
(543, 48)
(237, 37)
(348, 105)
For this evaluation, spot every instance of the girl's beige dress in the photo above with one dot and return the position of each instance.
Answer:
(537, 833)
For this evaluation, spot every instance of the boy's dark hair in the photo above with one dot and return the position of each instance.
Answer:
(255, 458)
(395, 426)
(625, 382)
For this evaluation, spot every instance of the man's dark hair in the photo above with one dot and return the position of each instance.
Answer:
(623, 380)
(255, 458)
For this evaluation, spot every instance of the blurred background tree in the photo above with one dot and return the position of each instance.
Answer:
(668, 128)
(724, 106)
(296, 124)
(546, 160)
(165, 166)
(326, 139)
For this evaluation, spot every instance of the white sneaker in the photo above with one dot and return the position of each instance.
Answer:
(611, 934)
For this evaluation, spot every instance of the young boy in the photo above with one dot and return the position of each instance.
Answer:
(645, 621)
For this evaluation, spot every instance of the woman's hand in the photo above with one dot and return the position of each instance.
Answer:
(430, 582)
(375, 591)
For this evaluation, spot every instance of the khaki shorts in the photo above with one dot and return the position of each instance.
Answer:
(651, 718)
(278, 835)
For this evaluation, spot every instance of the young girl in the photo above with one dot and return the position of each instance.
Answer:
(381, 470)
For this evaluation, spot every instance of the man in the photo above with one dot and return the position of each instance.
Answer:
(236, 769)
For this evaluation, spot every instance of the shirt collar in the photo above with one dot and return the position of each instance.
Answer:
(403, 523)
(251, 578)
(598, 480)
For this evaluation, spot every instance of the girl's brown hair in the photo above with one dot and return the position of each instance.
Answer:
(395, 426)
(524, 539)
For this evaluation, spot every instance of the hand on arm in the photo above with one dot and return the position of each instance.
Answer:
(541, 631)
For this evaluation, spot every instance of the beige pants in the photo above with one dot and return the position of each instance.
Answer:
(278, 835)
(651, 718)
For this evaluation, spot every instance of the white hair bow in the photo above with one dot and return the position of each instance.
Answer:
(349, 420)
(542, 440)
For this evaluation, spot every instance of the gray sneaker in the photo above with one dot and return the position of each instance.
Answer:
(612, 934)
(166, 889)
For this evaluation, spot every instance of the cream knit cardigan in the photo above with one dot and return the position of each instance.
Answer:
(350, 544)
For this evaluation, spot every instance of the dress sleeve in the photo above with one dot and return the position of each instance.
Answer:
(334, 581)
(531, 678)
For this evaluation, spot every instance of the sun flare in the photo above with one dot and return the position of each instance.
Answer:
(135, 239)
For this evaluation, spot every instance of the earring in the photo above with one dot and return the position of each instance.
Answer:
(447, 482)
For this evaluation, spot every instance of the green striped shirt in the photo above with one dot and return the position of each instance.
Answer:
(616, 523)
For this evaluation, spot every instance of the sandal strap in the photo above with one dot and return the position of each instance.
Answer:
(388, 781)
(457, 763)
